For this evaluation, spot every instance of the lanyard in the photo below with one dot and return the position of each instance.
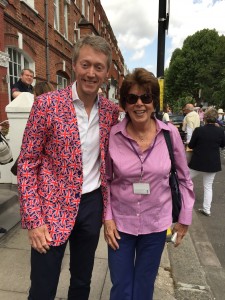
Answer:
(149, 151)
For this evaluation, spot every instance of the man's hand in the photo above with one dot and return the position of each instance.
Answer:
(40, 238)
(111, 234)
(181, 230)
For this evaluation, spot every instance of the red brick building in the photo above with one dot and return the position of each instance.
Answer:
(40, 35)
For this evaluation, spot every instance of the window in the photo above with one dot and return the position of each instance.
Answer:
(83, 8)
(17, 62)
(61, 82)
(56, 14)
(29, 2)
(94, 16)
(66, 19)
(88, 12)
(76, 33)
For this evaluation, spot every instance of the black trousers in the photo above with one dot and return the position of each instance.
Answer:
(83, 241)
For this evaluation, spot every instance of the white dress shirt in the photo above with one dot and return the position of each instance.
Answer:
(90, 140)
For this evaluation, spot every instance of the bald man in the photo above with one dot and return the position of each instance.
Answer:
(190, 122)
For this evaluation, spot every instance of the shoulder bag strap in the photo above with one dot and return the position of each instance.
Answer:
(170, 148)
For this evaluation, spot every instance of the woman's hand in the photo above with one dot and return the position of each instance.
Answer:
(181, 230)
(111, 234)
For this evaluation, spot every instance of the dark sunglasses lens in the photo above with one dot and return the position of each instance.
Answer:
(132, 99)
(146, 98)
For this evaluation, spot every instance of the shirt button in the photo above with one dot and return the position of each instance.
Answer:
(138, 203)
(138, 215)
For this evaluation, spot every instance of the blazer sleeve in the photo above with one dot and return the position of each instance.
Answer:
(28, 162)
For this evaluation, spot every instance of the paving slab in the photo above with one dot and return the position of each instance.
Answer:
(189, 276)
(15, 270)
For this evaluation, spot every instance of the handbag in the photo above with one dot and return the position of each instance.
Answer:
(14, 167)
(173, 180)
(5, 151)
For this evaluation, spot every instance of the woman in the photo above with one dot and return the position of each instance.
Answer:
(139, 206)
(206, 142)
(42, 87)
(165, 117)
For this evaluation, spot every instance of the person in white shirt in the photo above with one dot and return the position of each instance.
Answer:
(190, 122)
(165, 117)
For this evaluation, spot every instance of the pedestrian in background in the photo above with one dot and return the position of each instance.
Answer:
(201, 114)
(206, 142)
(24, 84)
(220, 119)
(165, 117)
(42, 87)
(139, 208)
(190, 122)
(61, 173)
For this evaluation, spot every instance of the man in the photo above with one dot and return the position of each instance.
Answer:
(61, 173)
(190, 122)
(220, 119)
(24, 84)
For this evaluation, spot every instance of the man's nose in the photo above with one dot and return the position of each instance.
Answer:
(91, 71)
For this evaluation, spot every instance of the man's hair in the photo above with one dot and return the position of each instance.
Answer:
(31, 71)
(42, 87)
(98, 43)
(189, 106)
(144, 79)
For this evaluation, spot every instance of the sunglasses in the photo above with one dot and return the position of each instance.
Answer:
(145, 98)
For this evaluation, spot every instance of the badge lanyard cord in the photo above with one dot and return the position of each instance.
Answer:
(149, 152)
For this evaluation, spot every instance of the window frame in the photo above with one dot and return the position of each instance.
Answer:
(63, 83)
(56, 15)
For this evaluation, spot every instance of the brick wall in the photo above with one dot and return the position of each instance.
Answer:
(18, 18)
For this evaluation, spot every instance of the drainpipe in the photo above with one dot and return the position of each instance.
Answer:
(46, 42)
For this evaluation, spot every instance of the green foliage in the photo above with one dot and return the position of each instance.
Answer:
(199, 65)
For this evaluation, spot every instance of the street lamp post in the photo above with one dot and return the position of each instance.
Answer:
(163, 22)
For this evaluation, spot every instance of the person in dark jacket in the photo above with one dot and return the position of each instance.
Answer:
(206, 142)
(24, 84)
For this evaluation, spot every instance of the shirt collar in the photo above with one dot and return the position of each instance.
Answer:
(75, 96)
(121, 126)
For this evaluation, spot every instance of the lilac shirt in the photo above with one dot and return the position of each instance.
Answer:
(143, 214)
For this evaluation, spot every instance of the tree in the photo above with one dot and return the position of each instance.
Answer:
(199, 65)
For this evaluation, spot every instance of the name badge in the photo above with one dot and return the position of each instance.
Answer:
(141, 188)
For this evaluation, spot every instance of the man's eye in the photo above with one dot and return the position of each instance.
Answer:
(99, 68)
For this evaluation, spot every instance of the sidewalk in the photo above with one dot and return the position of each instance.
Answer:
(15, 270)
(180, 277)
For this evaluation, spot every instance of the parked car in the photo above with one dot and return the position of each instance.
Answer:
(177, 120)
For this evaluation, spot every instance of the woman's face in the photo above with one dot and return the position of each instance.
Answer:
(139, 112)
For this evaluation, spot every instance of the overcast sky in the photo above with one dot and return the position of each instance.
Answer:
(135, 25)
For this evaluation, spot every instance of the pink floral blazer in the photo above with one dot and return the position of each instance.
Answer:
(50, 173)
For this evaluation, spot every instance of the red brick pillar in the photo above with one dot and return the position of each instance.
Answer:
(4, 97)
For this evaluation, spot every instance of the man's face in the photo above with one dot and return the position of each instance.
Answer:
(91, 71)
(27, 77)
(185, 111)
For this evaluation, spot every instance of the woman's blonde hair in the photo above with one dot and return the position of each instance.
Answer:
(211, 115)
